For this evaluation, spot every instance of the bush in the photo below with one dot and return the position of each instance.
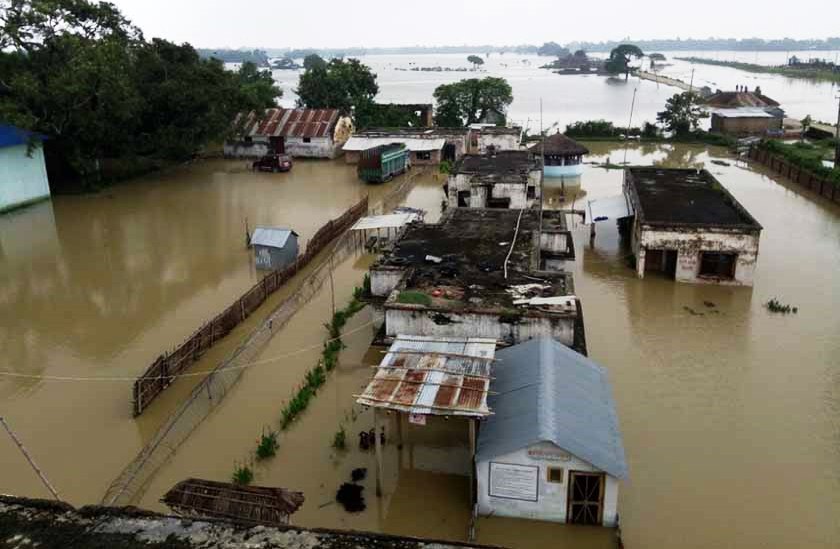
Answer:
(414, 298)
(242, 475)
(268, 445)
(804, 156)
(340, 439)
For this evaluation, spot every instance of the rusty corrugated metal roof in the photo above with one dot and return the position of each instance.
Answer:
(433, 376)
(281, 122)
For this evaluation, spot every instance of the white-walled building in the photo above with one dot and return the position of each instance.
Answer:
(505, 179)
(552, 449)
(302, 133)
(486, 138)
(23, 173)
(562, 156)
(686, 225)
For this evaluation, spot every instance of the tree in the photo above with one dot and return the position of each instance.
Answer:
(376, 115)
(314, 61)
(682, 113)
(807, 122)
(346, 85)
(552, 49)
(475, 60)
(81, 74)
(620, 57)
(469, 101)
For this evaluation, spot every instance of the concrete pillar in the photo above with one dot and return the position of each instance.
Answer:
(640, 263)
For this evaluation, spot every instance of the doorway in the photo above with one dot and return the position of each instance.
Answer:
(661, 261)
(449, 152)
(586, 498)
(277, 144)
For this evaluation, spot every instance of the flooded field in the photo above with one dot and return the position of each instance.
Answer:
(729, 413)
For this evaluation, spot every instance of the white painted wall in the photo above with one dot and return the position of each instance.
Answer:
(517, 192)
(552, 497)
(402, 319)
(689, 244)
(318, 147)
(23, 178)
(383, 280)
(500, 142)
(552, 242)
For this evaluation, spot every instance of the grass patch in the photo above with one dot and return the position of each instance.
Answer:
(268, 445)
(805, 156)
(414, 298)
(242, 475)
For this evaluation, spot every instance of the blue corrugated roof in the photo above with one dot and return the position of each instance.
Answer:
(12, 135)
(270, 236)
(546, 392)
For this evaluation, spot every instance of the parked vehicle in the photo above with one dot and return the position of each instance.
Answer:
(382, 163)
(273, 163)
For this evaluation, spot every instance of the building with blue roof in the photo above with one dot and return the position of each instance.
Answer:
(23, 173)
(552, 449)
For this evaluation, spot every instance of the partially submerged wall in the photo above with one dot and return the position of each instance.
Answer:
(26, 523)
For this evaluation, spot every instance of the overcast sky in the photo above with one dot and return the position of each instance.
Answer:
(371, 23)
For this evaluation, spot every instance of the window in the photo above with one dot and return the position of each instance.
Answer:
(423, 155)
(718, 265)
(555, 475)
(307, 140)
(532, 192)
(249, 139)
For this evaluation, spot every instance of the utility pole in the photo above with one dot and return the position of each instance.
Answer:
(31, 461)
(691, 84)
(837, 137)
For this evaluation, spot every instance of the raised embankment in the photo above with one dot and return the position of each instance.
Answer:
(26, 523)
(167, 366)
(820, 185)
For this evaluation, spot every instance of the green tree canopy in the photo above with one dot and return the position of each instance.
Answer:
(80, 73)
(620, 57)
(469, 101)
(346, 85)
(682, 113)
(475, 60)
(314, 61)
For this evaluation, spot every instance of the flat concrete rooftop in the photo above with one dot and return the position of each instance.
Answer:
(684, 197)
(498, 164)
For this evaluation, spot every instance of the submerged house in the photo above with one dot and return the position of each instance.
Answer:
(274, 248)
(685, 224)
(562, 156)
(306, 133)
(497, 274)
(744, 113)
(427, 146)
(552, 449)
(506, 179)
(23, 173)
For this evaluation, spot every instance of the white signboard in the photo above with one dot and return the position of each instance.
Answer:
(514, 481)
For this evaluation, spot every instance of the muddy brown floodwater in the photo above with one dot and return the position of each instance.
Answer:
(730, 414)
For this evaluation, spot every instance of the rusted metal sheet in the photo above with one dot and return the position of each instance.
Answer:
(303, 123)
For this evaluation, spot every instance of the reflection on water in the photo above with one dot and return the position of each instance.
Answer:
(729, 414)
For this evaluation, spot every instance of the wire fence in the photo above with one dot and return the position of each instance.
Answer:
(205, 397)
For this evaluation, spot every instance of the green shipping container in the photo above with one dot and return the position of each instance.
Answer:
(382, 163)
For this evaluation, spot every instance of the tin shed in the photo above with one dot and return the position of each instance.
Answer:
(274, 248)
(552, 449)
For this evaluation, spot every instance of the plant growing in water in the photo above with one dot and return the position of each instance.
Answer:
(776, 306)
(268, 445)
(242, 475)
(340, 439)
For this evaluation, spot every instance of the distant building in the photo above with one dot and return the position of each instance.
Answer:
(485, 138)
(306, 133)
(506, 179)
(744, 113)
(428, 146)
(274, 248)
(562, 156)
(686, 225)
(551, 450)
(485, 273)
(23, 174)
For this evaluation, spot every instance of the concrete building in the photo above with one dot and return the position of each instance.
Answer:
(562, 156)
(428, 146)
(552, 449)
(305, 133)
(506, 179)
(744, 113)
(686, 225)
(486, 138)
(480, 273)
(274, 248)
(23, 174)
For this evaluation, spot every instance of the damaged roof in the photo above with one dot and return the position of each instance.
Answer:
(433, 376)
(280, 122)
(544, 391)
(559, 145)
(496, 164)
(672, 196)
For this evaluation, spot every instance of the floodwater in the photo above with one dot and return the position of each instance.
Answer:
(729, 413)
(567, 99)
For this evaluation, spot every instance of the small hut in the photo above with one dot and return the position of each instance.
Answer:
(255, 505)
(562, 156)
(274, 248)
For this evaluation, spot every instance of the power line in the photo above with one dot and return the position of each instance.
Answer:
(6, 373)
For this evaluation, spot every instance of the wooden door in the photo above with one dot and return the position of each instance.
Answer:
(586, 498)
